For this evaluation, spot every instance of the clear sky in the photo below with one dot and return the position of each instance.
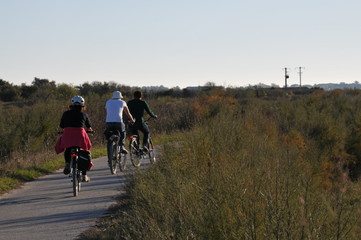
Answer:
(180, 42)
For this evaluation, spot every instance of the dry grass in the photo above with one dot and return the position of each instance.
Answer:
(249, 174)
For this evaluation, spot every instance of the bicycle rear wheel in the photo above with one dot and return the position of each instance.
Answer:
(76, 181)
(75, 173)
(151, 151)
(79, 180)
(135, 157)
(75, 184)
(112, 156)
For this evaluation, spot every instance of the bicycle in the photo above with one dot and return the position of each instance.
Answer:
(115, 155)
(136, 153)
(75, 172)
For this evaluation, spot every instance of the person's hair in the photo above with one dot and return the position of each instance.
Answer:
(137, 94)
(76, 107)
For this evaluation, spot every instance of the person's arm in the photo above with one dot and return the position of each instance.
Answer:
(147, 109)
(88, 124)
(129, 115)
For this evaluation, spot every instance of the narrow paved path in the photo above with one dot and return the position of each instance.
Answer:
(46, 209)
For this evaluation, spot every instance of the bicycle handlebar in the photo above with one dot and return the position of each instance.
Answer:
(145, 120)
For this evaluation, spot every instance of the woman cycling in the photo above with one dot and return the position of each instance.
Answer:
(75, 123)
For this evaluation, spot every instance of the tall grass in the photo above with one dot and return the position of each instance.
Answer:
(260, 170)
(248, 166)
(28, 131)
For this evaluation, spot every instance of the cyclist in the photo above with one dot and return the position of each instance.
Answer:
(74, 123)
(137, 106)
(114, 119)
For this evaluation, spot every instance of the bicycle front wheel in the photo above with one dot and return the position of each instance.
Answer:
(151, 152)
(112, 156)
(134, 154)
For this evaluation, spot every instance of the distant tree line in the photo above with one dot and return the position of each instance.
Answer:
(42, 89)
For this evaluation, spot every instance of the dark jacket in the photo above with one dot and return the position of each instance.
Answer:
(137, 108)
(75, 118)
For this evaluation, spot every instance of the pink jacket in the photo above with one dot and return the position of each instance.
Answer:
(73, 137)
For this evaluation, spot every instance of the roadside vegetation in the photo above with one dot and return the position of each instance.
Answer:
(282, 167)
(30, 116)
(235, 163)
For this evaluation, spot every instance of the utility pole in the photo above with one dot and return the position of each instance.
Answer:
(300, 73)
(286, 77)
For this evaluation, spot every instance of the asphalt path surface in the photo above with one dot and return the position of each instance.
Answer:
(46, 208)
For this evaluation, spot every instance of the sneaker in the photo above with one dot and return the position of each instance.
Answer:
(85, 178)
(66, 170)
(123, 150)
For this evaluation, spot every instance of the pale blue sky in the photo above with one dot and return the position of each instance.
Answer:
(180, 43)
